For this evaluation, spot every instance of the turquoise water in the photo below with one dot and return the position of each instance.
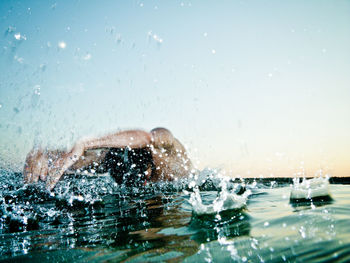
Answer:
(92, 219)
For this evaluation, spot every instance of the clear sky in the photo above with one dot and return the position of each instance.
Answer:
(253, 87)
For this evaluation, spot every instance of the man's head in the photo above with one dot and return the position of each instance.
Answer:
(162, 136)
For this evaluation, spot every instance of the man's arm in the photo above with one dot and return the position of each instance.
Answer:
(35, 167)
(131, 138)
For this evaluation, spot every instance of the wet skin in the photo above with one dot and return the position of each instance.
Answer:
(169, 156)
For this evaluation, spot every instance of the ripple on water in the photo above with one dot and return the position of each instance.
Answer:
(93, 219)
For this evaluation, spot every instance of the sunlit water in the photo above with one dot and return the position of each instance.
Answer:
(93, 219)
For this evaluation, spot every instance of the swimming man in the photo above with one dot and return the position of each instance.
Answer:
(132, 157)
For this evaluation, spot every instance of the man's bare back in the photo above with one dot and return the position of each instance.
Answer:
(167, 157)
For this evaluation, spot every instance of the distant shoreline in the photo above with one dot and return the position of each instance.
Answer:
(262, 180)
(286, 180)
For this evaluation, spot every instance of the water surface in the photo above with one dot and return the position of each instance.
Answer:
(93, 219)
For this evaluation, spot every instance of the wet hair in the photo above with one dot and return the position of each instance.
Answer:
(162, 136)
(128, 166)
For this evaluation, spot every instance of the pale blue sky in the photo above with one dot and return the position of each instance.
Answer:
(256, 87)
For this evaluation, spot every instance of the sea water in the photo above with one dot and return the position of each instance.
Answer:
(206, 218)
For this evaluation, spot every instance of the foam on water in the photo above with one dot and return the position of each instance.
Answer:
(227, 199)
(310, 188)
(22, 204)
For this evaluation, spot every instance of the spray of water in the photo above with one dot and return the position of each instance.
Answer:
(310, 188)
(227, 197)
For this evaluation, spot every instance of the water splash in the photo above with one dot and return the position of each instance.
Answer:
(310, 188)
(26, 207)
(18, 36)
(227, 199)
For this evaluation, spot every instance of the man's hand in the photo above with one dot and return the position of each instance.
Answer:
(49, 166)
(36, 166)
(55, 171)
(61, 164)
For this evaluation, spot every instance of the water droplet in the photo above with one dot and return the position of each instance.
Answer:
(62, 44)
(19, 59)
(155, 37)
(266, 224)
(87, 56)
(0, 105)
(205, 34)
(192, 184)
(213, 51)
(17, 36)
(37, 90)
(302, 231)
(141, 5)
(118, 39)
(42, 67)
